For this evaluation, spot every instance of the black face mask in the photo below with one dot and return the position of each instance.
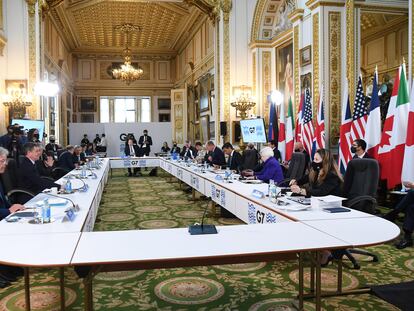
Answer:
(36, 136)
(316, 165)
(353, 149)
(52, 141)
(175, 145)
(297, 150)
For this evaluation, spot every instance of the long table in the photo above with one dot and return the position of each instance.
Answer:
(287, 233)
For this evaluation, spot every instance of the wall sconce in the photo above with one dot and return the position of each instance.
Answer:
(243, 100)
(16, 99)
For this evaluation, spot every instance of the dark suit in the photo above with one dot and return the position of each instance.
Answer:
(147, 148)
(175, 149)
(43, 170)
(52, 147)
(332, 185)
(234, 161)
(137, 153)
(66, 161)
(366, 156)
(29, 178)
(4, 204)
(250, 159)
(190, 153)
(217, 156)
(277, 155)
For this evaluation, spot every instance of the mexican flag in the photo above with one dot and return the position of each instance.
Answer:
(408, 165)
(290, 131)
(392, 146)
(282, 132)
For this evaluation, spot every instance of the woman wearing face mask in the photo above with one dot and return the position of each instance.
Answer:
(175, 148)
(323, 179)
(165, 147)
(33, 136)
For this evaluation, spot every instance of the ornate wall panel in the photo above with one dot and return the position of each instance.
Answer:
(178, 99)
(315, 59)
(254, 79)
(334, 75)
(226, 7)
(31, 6)
(267, 81)
(350, 49)
(296, 66)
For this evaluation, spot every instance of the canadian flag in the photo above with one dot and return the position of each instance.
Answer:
(408, 165)
(392, 146)
(282, 132)
(290, 131)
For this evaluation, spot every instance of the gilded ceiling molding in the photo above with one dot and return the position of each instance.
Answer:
(267, 82)
(335, 65)
(350, 49)
(313, 4)
(258, 11)
(296, 15)
(315, 60)
(278, 40)
(209, 7)
(296, 75)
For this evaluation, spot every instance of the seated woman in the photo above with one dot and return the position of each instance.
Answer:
(165, 147)
(323, 179)
(89, 149)
(271, 169)
(46, 164)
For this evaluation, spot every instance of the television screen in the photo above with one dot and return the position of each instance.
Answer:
(31, 124)
(253, 131)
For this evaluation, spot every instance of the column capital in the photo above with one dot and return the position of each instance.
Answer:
(313, 4)
(31, 6)
(225, 6)
(296, 15)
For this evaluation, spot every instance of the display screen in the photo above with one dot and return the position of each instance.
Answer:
(253, 131)
(31, 124)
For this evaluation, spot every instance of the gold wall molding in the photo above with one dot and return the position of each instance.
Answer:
(313, 4)
(254, 79)
(279, 39)
(296, 66)
(31, 9)
(350, 49)
(217, 79)
(1, 15)
(296, 15)
(226, 73)
(335, 65)
(225, 6)
(315, 60)
(258, 11)
(3, 42)
(267, 82)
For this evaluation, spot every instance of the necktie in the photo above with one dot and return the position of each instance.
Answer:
(132, 152)
(230, 159)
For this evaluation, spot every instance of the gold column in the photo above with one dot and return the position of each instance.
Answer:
(217, 88)
(350, 48)
(335, 65)
(315, 59)
(31, 7)
(254, 80)
(267, 82)
(226, 8)
(2, 38)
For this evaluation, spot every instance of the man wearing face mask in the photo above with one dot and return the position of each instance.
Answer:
(323, 179)
(175, 148)
(145, 142)
(299, 148)
(52, 146)
(358, 149)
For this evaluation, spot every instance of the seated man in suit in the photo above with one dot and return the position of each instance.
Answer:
(27, 175)
(215, 155)
(46, 164)
(358, 149)
(132, 150)
(188, 152)
(66, 159)
(78, 157)
(234, 161)
(271, 169)
(276, 152)
(250, 157)
(406, 206)
(175, 148)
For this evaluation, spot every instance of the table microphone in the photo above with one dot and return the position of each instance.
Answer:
(74, 206)
(197, 229)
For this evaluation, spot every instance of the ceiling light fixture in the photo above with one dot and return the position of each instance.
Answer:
(127, 73)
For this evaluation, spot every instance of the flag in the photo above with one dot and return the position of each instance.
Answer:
(290, 131)
(345, 132)
(298, 127)
(392, 147)
(408, 164)
(273, 126)
(307, 124)
(373, 129)
(360, 115)
(320, 125)
(282, 132)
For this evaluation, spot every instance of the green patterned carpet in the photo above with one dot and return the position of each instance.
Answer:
(153, 202)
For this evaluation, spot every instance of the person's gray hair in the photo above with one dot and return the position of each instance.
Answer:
(266, 152)
(4, 152)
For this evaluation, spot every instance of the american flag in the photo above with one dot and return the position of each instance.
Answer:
(360, 116)
(307, 124)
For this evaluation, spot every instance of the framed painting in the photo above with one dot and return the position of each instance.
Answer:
(305, 56)
(306, 82)
(284, 71)
(212, 130)
(164, 103)
(204, 100)
(87, 118)
(87, 104)
(205, 127)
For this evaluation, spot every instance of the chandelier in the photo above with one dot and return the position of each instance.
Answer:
(243, 102)
(17, 100)
(127, 72)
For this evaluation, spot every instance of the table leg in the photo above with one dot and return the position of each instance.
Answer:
(88, 295)
(318, 282)
(301, 281)
(111, 172)
(27, 288)
(62, 288)
(193, 194)
(339, 288)
(312, 273)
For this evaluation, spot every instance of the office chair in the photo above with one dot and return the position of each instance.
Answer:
(296, 166)
(10, 184)
(58, 172)
(360, 189)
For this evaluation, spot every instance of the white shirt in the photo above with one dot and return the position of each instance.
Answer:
(131, 150)
(362, 155)
(103, 142)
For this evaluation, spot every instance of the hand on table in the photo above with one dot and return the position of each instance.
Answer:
(293, 182)
(295, 188)
(408, 184)
(248, 173)
(16, 207)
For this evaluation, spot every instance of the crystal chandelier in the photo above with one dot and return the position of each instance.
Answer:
(17, 100)
(127, 72)
(244, 102)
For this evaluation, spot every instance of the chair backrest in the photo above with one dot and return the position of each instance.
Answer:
(296, 166)
(59, 172)
(9, 177)
(249, 159)
(361, 179)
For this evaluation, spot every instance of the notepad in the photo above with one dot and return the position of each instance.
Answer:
(336, 210)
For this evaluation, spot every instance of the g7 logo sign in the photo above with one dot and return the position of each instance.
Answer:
(260, 216)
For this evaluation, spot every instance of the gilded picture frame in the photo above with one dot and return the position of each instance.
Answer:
(305, 56)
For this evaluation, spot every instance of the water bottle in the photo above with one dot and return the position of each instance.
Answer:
(83, 174)
(272, 191)
(97, 161)
(68, 186)
(46, 211)
(227, 173)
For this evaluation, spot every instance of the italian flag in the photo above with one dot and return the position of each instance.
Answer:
(290, 131)
(282, 132)
(408, 165)
(392, 146)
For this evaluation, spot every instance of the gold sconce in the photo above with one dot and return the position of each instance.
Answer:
(243, 100)
(16, 99)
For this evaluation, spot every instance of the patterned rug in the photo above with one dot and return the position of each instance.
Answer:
(154, 202)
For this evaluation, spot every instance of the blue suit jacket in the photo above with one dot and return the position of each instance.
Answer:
(271, 170)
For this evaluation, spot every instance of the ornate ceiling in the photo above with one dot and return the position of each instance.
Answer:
(372, 22)
(87, 26)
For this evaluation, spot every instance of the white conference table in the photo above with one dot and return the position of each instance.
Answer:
(286, 233)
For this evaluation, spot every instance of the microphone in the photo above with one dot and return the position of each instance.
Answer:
(94, 176)
(74, 206)
(197, 229)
